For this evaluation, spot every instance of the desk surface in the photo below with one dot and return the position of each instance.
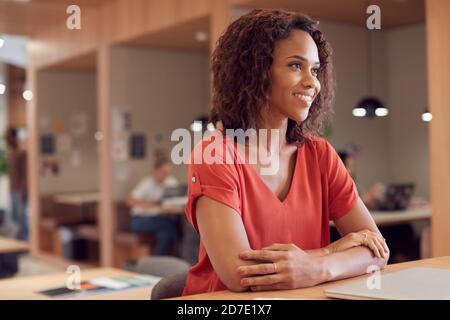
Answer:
(27, 287)
(169, 210)
(318, 291)
(9, 245)
(387, 218)
(77, 198)
(384, 218)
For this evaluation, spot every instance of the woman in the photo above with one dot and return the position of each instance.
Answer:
(272, 70)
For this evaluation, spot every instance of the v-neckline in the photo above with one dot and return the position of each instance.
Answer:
(294, 173)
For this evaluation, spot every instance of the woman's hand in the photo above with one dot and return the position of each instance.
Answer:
(282, 266)
(367, 238)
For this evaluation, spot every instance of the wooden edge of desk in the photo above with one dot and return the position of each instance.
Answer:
(10, 245)
(317, 292)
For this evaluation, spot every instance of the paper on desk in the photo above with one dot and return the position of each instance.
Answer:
(125, 282)
(109, 283)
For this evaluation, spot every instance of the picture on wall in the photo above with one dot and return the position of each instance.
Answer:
(47, 144)
(137, 146)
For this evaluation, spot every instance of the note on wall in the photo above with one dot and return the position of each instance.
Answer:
(75, 158)
(137, 146)
(120, 148)
(78, 124)
(123, 172)
(121, 121)
(47, 144)
(58, 126)
(63, 143)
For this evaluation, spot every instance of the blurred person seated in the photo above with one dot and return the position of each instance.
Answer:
(376, 192)
(144, 201)
(401, 239)
(17, 171)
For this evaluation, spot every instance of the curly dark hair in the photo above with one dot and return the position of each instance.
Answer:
(241, 66)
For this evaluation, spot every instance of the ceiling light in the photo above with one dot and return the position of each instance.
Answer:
(201, 36)
(27, 95)
(196, 126)
(210, 127)
(381, 112)
(427, 116)
(2, 88)
(372, 105)
(359, 112)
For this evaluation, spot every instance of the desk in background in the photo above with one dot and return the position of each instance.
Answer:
(28, 287)
(387, 218)
(9, 245)
(316, 292)
(77, 198)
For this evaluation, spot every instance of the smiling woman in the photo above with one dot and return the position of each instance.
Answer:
(272, 70)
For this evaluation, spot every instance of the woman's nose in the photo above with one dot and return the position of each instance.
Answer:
(309, 81)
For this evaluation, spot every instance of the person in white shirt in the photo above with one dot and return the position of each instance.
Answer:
(144, 201)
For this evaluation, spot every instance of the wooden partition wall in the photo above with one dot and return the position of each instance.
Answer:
(438, 55)
(115, 22)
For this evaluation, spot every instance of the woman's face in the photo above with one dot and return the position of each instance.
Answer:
(294, 75)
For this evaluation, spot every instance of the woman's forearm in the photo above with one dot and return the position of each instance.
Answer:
(318, 252)
(350, 263)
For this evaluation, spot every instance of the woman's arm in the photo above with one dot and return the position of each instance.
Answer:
(296, 268)
(224, 237)
(354, 261)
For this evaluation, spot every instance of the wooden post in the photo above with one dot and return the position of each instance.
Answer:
(106, 216)
(33, 160)
(219, 21)
(438, 55)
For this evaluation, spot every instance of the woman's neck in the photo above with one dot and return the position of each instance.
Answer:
(276, 125)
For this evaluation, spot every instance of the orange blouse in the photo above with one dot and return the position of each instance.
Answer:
(321, 190)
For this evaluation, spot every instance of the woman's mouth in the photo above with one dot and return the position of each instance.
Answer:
(303, 97)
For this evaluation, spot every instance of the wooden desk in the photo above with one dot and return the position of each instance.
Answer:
(389, 218)
(386, 218)
(9, 245)
(78, 198)
(27, 287)
(318, 291)
(169, 210)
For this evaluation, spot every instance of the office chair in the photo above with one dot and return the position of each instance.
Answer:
(169, 287)
(173, 271)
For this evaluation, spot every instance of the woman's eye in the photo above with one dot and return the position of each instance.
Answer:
(315, 72)
(296, 65)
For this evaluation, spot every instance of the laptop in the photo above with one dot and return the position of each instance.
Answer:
(397, 197)
(408, 284)
(175, 196)
(177, 191)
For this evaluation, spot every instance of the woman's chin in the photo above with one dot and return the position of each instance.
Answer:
(300, 117)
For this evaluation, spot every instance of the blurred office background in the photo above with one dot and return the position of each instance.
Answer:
(92, 106)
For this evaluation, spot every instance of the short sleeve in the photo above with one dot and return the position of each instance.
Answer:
(217, 181)
(342, 192)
